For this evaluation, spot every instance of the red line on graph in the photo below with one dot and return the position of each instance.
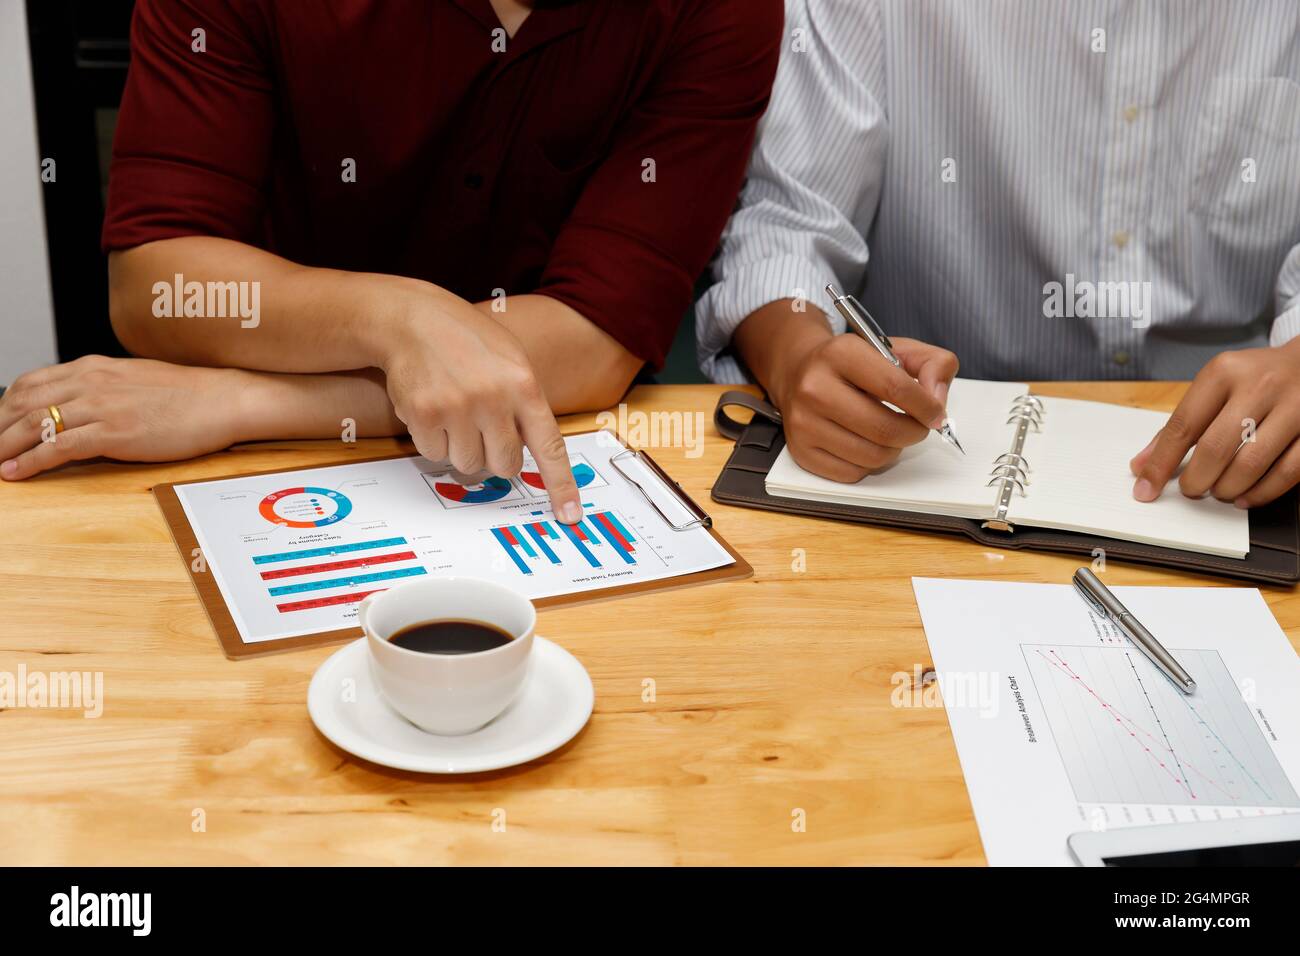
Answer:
(609, 527)
(338, 565)
(352, 598)
(1127, 723)
(1161, 742)
(509, 536)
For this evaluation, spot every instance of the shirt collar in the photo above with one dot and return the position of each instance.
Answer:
(544, 25)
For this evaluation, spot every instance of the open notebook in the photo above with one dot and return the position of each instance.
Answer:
(1042, 462)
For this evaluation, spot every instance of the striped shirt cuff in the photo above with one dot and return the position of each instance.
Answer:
(750, 287)
(1286, 326)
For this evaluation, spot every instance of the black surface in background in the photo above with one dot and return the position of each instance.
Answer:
(1281, 853)
(79, 52)
(912, 909)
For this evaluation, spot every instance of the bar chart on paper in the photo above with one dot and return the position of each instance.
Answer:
(338, 574)
(601, 539)
(1126, 735)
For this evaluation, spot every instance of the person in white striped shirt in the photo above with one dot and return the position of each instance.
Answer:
(1058, 189)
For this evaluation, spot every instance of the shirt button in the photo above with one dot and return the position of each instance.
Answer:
(1120, 239)
(474, 181)
(1121, 357)
(1130, 113)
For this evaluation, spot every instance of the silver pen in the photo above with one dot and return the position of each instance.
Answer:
(1100, 598)
(859, 321)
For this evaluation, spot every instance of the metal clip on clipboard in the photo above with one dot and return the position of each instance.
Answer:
(700, 517)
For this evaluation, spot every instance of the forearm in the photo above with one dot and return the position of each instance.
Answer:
(775, 339)
(264, 313)
(325, 320)
(267, 405)
(581, 367)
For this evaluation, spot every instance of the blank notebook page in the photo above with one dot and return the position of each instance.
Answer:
(932, 476)
(1080, 481)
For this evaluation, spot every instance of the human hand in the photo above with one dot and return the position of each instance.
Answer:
(128, 409)
(1242, 413)
(464, 388)
(836, 422)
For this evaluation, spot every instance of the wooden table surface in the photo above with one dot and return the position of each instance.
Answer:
(772, 696)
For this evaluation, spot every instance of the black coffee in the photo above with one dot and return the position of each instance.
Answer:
(451, 637)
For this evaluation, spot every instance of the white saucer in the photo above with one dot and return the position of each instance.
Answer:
(552, 707)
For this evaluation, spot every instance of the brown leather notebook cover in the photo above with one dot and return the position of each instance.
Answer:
(1274, 556)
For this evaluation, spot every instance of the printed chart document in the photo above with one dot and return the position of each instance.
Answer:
(293, 553)
(1062, 724)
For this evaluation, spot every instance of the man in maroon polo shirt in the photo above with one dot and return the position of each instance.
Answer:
(452, 218)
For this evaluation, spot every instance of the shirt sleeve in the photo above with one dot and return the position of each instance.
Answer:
(1287, 324)
(191, 154)
(814, 181)
(649, 217)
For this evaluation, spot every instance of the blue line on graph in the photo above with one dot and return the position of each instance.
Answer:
(617, 545)
(510, 550)
(627, 535)
(1225, 746)
(541, 543)
(582, 548)
(327, 550)
(523, 542)
(346, 582)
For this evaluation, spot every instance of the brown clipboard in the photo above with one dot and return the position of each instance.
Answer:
(235, 648)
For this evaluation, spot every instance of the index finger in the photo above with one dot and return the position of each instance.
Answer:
(874, 374)
(934, 367)
(1184, 428)
(542, 436)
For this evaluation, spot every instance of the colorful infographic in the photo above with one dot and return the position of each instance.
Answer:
(585, 476)
(305, 507)
(355, 569)
(452, 494)
(295, 553)
(599, 537)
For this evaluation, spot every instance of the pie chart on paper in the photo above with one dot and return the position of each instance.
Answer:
(305, 507)
(493, 489)
(582, 474)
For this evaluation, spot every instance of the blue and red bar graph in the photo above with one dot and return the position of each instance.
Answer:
(537, 539)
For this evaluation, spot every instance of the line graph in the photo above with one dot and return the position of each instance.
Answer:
(1127, 735)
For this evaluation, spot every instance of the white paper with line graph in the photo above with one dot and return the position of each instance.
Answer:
(1062, 725)
(295, 552)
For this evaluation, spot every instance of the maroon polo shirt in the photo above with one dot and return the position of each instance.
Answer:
(595, 160)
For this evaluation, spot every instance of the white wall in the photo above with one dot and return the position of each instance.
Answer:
(26, 312)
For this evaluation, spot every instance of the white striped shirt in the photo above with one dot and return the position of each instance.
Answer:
(984, 149)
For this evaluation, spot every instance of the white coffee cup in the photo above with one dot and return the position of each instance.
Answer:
(448, 694)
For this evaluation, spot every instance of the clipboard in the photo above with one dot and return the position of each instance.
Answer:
(235, 648)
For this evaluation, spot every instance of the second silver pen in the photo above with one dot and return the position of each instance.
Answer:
(1105, 603)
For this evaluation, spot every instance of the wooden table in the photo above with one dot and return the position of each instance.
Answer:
(772, 696)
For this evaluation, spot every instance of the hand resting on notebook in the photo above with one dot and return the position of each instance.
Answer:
(1242, 413)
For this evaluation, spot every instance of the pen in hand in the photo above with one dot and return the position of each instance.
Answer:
(861, 323)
